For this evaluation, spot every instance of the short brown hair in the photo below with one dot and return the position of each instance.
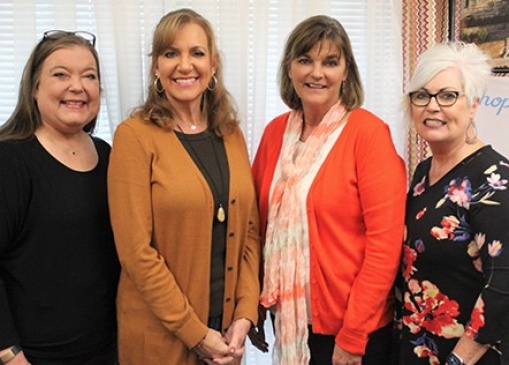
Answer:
(301, 40)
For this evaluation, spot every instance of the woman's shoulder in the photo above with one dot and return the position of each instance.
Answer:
(424, 164)
(483, 163)
(100, 143)
(136, 122)
(13, 144)
(363, 118)
(7, 147)
(17, 153)
(365, 127)
(278, 123)
(103, 148)
(12, 149)
(139, 128)
(235, 133)
(491, 155)
(422, 169)
(9, 152)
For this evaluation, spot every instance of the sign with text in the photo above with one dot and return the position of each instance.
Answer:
(492, 118)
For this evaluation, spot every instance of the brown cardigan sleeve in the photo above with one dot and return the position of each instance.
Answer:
(129, 188)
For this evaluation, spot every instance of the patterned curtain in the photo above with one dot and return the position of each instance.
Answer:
(425, 22)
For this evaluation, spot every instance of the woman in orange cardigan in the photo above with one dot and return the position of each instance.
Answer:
(331, 192)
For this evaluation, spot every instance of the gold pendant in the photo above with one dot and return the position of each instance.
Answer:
(220, 214)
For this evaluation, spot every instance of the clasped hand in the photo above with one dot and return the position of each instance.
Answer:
(218, 350)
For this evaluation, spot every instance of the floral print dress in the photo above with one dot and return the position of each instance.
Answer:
(455, 264)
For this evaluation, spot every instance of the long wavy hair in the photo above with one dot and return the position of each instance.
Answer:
(301, 40)
(26, 118)
(217, 105)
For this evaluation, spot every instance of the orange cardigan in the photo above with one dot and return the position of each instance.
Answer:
(355, 210)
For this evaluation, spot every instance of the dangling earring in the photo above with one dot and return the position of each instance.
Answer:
(158, 85)
(473, 139)
(213, 87)
(342, 88)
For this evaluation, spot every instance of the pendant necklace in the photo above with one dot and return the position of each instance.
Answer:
(191, 125)
(220, 213)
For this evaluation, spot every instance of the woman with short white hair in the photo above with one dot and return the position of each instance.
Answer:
(455, 266)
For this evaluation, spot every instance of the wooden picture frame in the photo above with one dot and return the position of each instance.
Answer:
(485, 23)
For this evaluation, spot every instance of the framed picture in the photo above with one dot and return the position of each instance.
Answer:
(485, 23)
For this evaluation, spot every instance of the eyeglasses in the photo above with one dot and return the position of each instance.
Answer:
(56, 34)
(443, 97)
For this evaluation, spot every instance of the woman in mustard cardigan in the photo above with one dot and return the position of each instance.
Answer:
(183, 210)
(331, 192)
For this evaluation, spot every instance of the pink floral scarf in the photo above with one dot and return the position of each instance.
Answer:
(286, 264)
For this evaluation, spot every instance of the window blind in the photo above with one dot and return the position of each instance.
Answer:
(251, 35)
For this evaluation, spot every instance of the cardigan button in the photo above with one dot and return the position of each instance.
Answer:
(231, 234)
(230, 268)
(232, 201)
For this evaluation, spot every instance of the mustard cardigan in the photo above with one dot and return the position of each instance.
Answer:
(162, 211)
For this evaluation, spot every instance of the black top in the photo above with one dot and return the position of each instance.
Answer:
(208, 153)
(455, 269)
(58, 265)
